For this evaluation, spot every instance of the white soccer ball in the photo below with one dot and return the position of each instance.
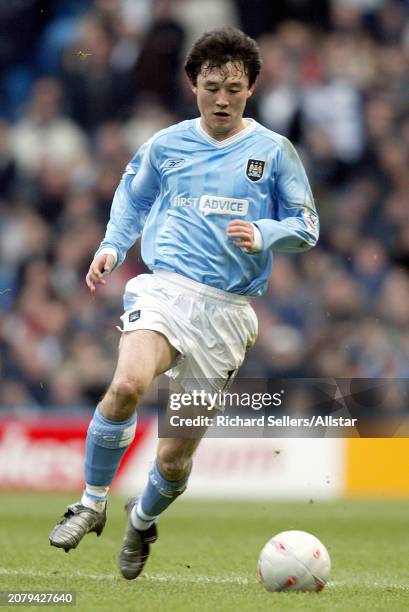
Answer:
(294, 561)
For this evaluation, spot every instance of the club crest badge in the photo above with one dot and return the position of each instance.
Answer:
(255, 169)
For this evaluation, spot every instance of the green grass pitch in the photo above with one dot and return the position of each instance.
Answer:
(205, 558)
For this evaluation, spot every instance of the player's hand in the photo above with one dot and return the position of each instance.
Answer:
(242, 233)
(102, 264)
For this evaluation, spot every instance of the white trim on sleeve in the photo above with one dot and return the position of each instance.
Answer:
(108, 251)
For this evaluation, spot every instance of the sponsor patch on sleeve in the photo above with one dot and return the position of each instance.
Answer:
(311, 220)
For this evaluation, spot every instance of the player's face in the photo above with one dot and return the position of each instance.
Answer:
(221, 95)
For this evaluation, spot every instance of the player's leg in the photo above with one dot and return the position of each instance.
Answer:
(219, 335)
(167, 480)
(143, 354)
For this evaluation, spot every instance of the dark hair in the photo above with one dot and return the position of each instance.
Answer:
(217, 47)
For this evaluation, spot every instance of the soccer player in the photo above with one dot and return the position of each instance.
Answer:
(212, 198)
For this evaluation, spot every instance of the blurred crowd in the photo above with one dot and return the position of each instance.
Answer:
(84, 83)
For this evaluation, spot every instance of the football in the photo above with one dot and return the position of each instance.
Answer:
(294, 561)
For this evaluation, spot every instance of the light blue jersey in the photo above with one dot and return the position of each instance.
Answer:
(182, 189)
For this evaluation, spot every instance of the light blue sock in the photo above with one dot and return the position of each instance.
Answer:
(106, 444)
(159, 493)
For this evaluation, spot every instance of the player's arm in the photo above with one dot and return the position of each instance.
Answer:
(296, 227)
(132, 202)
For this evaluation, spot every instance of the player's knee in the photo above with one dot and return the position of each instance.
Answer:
(126, 391)
(173, 466)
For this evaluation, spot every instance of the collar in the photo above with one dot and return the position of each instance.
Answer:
(227, 141)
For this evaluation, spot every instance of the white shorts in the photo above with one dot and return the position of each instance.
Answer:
(210, 328)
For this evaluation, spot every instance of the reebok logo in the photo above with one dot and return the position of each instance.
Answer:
(174, 163)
